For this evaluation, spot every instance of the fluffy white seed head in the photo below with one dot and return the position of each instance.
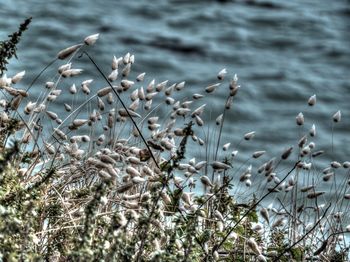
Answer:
(258, 154)
(218, 215)
(64, 67)
(169, 90)
(71, 72)
(140, 77)
(198, 111)
(261, 258)
(218, 120)
(226, 146)
(67, 107)
(126, 84)
(206, 181)
(132, 171)
(335, 164)
(180, 86)
(104, 91)
(312, 100)
(150, 87)
(126, 70)
(253, 246)
(29, 107)
(115, 63)
(212, 88)
(234, 153)
(4, 81)
(85, 89)
(138, 180)
(79, 122)
(265, 215)
(300, 119)
(113, 75)
(337, 117)
(100, 104)
(315, 194)
(199, 121)
(161, 86)
(248, 182)
(312, 131)
(217, 165)
(52, 115)
(49, 85)
(18, 77)
(73, 89)
(249, 136)
(67, 52)
(126, 58)
(221, 74)
(197, 96)
(91, 39)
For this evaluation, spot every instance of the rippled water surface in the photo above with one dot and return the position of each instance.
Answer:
(282, 51)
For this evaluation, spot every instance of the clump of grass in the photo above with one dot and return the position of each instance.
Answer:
(109, 178)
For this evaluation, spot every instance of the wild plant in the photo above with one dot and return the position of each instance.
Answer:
(104, 172)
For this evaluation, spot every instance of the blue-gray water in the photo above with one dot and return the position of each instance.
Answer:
(282, 51)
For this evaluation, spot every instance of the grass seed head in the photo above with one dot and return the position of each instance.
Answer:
(337, 117)
(218, 120)
(206, 181)
(115, 63)
(258, 154)
(64, 68)
(315, 194)
(221, 74)
(52, 115)
(312, 100)
(253, 246)
(73, 89)
(346, 164)
(113, 75)
(302, 141)
(335, 164)
(71, 72)
(67, 107)
(79, 122)
(140, 77)
(169, 101)
(265, 215)
(126, 58)
(49, 85)
(67, 52)
(169, 90)
(126, 70)
(18, 77)
(312, 131)
(249, 136)
(217, 165)
(180, 86)
(91, 39)
(212, 88)
(16, 102)
(29, 107)
(300, 119)
(161, 86)
(197, 96)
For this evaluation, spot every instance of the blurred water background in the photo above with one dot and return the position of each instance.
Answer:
(282, 51)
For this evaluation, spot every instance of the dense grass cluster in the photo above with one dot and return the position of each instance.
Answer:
(111, 179)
